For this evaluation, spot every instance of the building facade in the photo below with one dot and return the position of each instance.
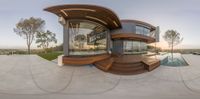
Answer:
(95, 35)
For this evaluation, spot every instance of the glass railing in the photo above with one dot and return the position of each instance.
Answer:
(153, 34)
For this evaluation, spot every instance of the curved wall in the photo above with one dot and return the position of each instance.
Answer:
(134, 35)
(86, 41)
(127, 27)
(131, 27)
(87, 38)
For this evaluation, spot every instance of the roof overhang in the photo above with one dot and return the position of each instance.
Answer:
(94, 13)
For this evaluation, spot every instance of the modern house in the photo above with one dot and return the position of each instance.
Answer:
(95, 35)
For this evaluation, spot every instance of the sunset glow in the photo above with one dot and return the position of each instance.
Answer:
(184, 18)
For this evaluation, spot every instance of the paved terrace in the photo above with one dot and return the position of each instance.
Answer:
(31, 77)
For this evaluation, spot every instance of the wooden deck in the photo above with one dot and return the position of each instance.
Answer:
(128, 59)
(151, 63)
(128, 64)
(84, 60)
(122, 64)
(104, 64)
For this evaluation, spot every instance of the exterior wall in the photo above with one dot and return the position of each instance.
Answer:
(117, 47)
(115, 43)
(126, 28)
(66, 39)
(157, 31)
(88, 50)
(109, 42)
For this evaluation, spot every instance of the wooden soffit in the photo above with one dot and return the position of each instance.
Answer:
(132, 36)
(94, 13)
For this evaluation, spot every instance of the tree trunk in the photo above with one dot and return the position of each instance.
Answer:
(29, 49)
(172, 49)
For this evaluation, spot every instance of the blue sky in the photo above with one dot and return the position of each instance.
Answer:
(181, 15)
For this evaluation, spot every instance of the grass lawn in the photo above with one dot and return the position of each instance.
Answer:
(50, 56)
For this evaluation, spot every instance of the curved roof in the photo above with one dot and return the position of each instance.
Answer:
(95, 13)
(140, 23)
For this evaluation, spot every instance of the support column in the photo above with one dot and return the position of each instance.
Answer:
(66, 39)
(108, 42)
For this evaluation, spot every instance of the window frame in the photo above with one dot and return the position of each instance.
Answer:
(93, 52)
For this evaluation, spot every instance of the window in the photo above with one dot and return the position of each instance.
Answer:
(146, 31)
(139, 30)
(87, 38)
(134, 47)
(142, 30)
(143, 47)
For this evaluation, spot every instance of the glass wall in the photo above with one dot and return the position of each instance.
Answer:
(134, 47)
(142, 30)
(87, 38)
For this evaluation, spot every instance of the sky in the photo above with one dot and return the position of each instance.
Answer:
(181, 15)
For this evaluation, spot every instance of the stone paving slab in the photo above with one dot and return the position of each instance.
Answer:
(31, 77)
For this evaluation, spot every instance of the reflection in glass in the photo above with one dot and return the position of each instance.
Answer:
(134, 47)
(142, 30)
(87, 38)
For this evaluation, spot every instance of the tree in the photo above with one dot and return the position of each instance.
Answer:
(45, 38)
(173, 38)
(81, 39)
(27, 28)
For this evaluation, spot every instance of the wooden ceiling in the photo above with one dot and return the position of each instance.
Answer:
(94, 13)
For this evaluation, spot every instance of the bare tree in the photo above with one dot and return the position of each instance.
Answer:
(81, 39)
(45, 38)
(173, 38)
(27, 28)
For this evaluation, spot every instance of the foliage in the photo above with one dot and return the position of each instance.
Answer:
(27, 28)
(58, 48)
(173, 38)
(81, 39)
(45, 38)
(152, 48)
(50, 56)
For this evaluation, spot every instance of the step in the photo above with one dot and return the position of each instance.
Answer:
(128, 72)
(104, 64)
(127, 65)
(127, 69)
(151, 64)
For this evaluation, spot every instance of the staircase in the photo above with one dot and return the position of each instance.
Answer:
(151, 64)
(127, 64)
(104, 64)
(127, 68)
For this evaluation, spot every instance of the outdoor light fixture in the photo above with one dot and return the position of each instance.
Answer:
(115, 24)
(96, 19)
(80, 9)
(64, 13)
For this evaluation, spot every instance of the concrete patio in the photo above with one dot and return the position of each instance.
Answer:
(30, 77)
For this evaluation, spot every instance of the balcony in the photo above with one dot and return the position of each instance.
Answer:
(133, 36)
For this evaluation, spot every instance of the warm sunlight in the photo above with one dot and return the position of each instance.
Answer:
(99, 49)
